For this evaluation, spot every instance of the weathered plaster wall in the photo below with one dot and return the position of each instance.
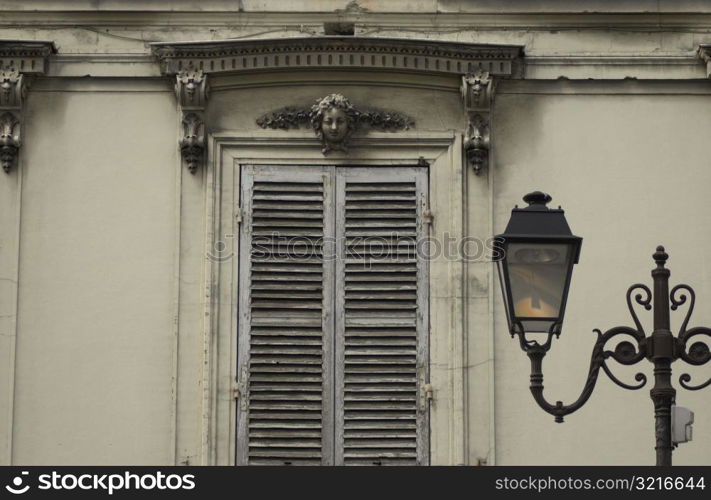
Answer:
(94, 359)
(628, 169)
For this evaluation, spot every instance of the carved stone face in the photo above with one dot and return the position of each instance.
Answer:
(334, 125)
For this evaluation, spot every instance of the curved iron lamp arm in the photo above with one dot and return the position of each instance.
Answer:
(624, 353)
(698, 353)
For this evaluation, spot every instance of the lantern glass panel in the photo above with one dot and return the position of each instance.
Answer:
(538, 275)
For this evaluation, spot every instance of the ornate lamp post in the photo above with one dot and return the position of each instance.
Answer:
(536, 257)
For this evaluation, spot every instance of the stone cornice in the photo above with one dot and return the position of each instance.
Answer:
(27, 57)
(342, 7)
(333, 52)
(314, 21)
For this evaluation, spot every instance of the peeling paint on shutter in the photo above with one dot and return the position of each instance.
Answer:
(382, 317)
(286, 320)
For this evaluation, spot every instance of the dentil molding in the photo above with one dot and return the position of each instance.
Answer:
(342, 52)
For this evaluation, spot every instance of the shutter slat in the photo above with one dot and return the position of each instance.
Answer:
(285, 341)
(271, 414)
(354, 279)
(369, 205)
(400, 196)
(289, 206)
(284, 426)
(382, 233)
(374, 415)
(384, 395)
(285, 369)
(288, 197)
(280, 454)
(356, 453)
(383, 321)
(297, 385)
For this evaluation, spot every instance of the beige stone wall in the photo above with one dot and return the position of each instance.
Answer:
(105, 343)
(94, 370)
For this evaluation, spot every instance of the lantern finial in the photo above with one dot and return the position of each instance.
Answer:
(537, 198)
(660, 256)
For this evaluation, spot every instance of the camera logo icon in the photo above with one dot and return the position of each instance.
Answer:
(16, 488)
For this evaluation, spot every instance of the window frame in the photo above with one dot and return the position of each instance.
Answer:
(218, 391)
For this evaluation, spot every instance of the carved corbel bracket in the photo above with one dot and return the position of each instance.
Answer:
(704, 54)
(12, 89)
(477, 96)
(19, 60)
(192, 142)
(9, 140)
(12, 94)
(192, 92)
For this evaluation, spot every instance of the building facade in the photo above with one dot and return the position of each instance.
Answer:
(238, 232)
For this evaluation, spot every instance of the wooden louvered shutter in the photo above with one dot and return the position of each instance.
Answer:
(381, 317)
(285, 358)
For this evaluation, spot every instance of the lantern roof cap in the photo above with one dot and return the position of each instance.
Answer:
(538, 223)
(537, 200)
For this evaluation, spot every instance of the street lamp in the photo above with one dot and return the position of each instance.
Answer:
(539, 252)
(535, 257)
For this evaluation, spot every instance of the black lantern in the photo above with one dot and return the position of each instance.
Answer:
(536, 255)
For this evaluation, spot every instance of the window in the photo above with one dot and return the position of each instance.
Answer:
(333, 316)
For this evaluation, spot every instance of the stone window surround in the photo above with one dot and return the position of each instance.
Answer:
(215, 161)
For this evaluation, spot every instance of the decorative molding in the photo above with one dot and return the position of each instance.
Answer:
(334, 120)
(28, 57)
(9, 140)
(477, 96)
(478, 63)
(285, 118)
(704, 53)
(12, 89)
(12, 94)
(331, 52)
(17, 59)
(191, 89)
(192, 142)
(192, 92)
